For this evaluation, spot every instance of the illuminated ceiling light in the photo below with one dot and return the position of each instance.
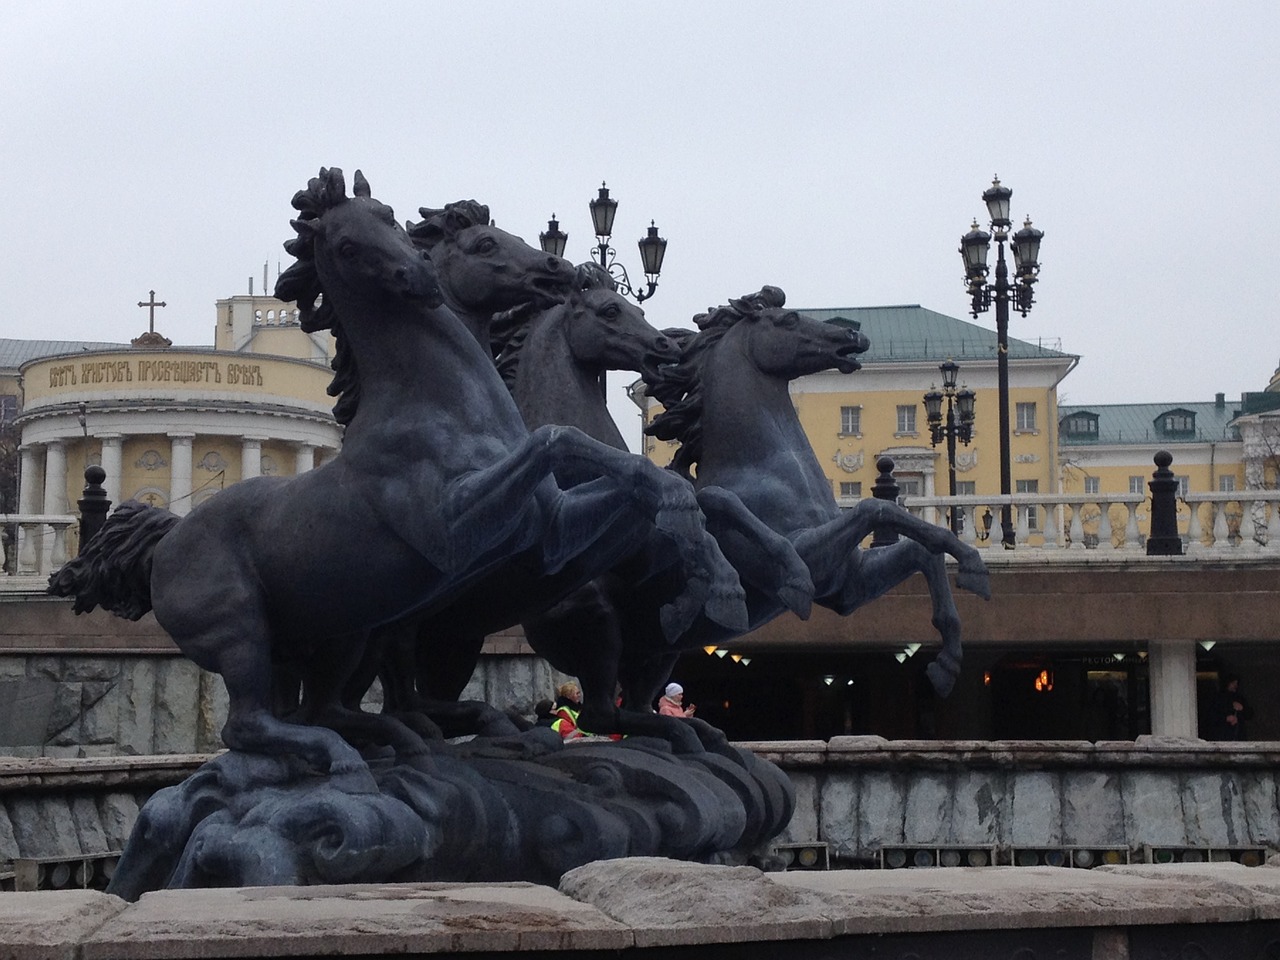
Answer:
(1208, 644)
(900, 657)
(912, 648)
(721, 653)
(848, 683)
(735, 657)
(709, 649)
(1118, 656)
(828, 680)
(746, 661)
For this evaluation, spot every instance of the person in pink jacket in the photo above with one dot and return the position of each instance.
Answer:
(671, 703)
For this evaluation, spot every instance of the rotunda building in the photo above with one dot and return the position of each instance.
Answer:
(174, 425)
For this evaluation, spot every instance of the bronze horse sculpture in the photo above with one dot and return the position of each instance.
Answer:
(768, 504)
(438, 485)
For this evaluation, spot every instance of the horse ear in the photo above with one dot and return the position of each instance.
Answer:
(361, 187)
(427, 233)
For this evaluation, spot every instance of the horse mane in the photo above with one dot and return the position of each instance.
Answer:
(301, 282)
(436, 224)
(511, 328)
(678, 386)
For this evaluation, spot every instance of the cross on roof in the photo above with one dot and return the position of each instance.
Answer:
(152, 303)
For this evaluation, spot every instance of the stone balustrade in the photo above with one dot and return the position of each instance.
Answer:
(32, 546)
(1216, 523)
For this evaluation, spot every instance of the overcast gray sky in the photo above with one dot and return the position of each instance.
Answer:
(837, 150)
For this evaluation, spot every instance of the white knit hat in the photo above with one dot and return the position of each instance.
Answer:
(673, 689)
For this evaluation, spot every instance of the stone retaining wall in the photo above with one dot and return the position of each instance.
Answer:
(861, 794)
(157, 703)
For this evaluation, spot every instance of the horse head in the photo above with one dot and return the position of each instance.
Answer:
(351, 250)
(606, 331)
(486, 270)
(787, 344)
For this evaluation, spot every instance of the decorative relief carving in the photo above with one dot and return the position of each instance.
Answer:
(1027, 458)
(212, 461)
(849, 462)
(966, 460)
(152, 497)
(151, 460)
(269, 467)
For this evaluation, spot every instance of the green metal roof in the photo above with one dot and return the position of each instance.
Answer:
(1129, 423)
(14, 353)
(911, 332)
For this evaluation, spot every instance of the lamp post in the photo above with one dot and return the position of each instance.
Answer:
(652, 247)
(1025, 245)
(958, 426)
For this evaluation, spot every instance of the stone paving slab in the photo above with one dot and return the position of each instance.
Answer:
(669, 902)
(353, 919)
(51, 925)
(632, 903)
(1006, 898)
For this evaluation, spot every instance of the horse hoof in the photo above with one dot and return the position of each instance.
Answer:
(728, 608)
(798, 597)
(943, 681)
(975, 581)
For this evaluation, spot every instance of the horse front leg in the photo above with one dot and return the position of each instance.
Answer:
(844, 533)
(762, 556)
(873, 573)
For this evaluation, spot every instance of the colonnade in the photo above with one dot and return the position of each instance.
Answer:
(47, 462)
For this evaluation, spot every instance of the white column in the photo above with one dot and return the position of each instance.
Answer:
(30, 494)
(305, 458)
(1172, 665)
(55, 477)
(180, 473)
(55, 493)
(113, 466)
(250, 457)
(29, 487)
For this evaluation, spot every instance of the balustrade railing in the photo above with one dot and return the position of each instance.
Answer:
(34, 545)
(1236, 522)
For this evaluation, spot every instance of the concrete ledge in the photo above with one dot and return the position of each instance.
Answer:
(648, 904)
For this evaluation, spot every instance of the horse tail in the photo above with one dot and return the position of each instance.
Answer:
(113, 570)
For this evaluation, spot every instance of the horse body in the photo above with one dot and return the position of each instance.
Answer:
(757, 467)
(437, 485)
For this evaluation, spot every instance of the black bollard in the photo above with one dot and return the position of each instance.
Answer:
(885, 488)
(1163, 539)
(93, 504)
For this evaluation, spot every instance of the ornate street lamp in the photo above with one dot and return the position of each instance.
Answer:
(974, 247)
(958, 426)
(603, 208)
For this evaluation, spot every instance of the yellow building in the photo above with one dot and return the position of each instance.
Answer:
(171, 426)
(854, 419)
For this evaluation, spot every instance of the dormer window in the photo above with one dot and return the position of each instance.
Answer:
(1177, 423)
(1080, 426)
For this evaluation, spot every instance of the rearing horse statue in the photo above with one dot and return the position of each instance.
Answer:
(438, 484)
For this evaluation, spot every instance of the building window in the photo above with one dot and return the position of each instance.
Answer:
(8, 408)
(1081, 426)
(1177, 422)
(850, 490)
(1030, 486)
(910, 486)
(1092, 486)
(1026, 418)
(1184, 484)
(1137, 484)
(907, 418)
(850, 421)
(1227, 484)
(966, 488)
